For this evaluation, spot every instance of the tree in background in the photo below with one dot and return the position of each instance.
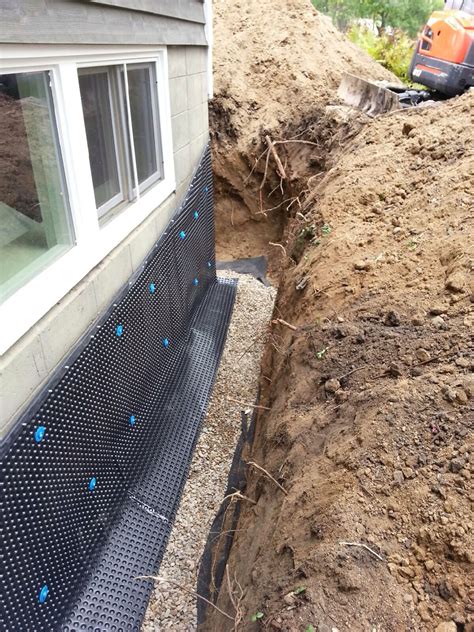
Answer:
(343, 12)
(406, 15)
(388, 35)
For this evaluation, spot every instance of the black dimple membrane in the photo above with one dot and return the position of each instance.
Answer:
(93, 472)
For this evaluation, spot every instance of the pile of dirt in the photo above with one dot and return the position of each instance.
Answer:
(370, 425)
(277, 66)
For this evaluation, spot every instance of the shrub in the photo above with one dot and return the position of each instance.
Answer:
(392, 50)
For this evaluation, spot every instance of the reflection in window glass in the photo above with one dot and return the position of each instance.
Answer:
(144, 114)
(97, 105)
(35, 226)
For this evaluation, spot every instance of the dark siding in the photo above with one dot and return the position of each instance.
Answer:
(85, 22)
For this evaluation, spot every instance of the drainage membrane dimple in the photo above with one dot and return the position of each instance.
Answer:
(92, 474)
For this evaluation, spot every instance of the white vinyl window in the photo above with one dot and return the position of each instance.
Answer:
(142, 105)
(122, 124)
(86, 155)
(105, 129)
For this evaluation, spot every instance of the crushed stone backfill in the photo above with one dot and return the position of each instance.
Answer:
(170, 607)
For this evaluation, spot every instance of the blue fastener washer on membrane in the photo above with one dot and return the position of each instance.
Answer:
(39, 433)
(43, 594)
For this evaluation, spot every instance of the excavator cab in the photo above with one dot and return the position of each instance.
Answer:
(444, 55)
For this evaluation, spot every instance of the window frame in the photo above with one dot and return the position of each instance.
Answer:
(95, 237)
(120, 197)
(155, 110)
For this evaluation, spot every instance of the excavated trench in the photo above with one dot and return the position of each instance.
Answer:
(360, 518)
(255, 206)
(364, 391)
(260, 205)
(259, 193)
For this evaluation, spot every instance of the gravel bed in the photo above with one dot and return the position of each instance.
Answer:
(171, 609)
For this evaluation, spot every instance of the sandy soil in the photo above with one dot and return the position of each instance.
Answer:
(370, 427)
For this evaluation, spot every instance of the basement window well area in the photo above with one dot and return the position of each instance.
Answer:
(86, 154)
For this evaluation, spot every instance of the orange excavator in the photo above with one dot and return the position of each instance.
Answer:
(443, 61)
(444, 55)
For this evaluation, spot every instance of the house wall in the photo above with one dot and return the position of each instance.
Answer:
(102, 22)
(26, 366)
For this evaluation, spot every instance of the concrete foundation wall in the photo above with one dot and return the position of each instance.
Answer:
(26, 366)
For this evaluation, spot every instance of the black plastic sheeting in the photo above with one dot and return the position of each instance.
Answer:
(255, 266)
(221, 534)
(93, 472)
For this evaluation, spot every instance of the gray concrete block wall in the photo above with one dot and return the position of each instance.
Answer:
(26, 366)
(187, 67)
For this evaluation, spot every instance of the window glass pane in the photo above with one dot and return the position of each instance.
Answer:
(35, 224)
(97, 104)
(144, 114)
